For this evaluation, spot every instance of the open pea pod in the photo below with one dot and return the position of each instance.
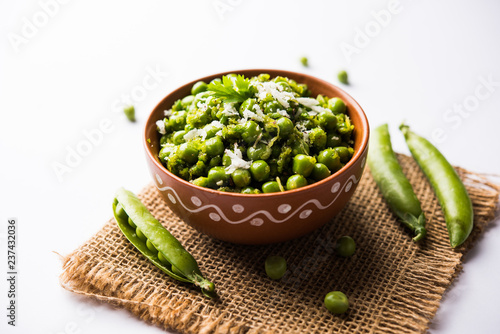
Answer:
(155, 242)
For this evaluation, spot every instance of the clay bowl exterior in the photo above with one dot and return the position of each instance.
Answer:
(261, 218)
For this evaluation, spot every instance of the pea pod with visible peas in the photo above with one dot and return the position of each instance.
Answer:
(393, 184)
(449, 189)
(156, 243)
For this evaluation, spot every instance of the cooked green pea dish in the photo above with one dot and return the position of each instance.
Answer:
(255, 135)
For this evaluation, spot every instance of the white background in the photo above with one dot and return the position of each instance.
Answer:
(72, 71)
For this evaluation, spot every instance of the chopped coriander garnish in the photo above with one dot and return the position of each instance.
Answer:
(232, 89)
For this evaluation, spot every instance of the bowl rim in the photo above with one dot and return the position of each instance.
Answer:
(345, 169)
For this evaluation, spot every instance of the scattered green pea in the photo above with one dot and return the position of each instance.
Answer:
(260, 170)
(304, 61)
(342, 76)
(271, 187)
(275, 267)
(303, 164)
(345, 246)
(199, 87)
(336, 302)
(296, 181)
(241, 177)
(130, 113)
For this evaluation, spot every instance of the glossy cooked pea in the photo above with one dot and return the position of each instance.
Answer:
(260, 170)
(248, 104)
(317, 138)
(330, 158)
(178, 137)
(275, 267)
(260, 151)
(333, 139)
(343, 153)
(271, 187)
(217, 175)
(250, 190)
(320, 172)
(337, 106)
(201, 181)
(345, 246)
(214, 146)
(296, 181)
(303, 164)
(336, 302)
(304, 61)
(199, 87)
(327, 120)
(188, 153)
(285, 125)
(272, 107)
(251, 131)
(241, 177)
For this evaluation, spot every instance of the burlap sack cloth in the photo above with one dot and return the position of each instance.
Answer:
(393, 284)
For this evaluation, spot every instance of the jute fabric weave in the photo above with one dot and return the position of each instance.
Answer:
(393, 284)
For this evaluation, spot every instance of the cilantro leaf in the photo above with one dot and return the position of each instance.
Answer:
(232, 90)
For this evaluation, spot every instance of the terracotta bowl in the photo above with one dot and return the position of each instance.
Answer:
(262, 218)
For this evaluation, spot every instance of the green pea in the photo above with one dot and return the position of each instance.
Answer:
(264, 77)
(251, 131)
(214, 146)
(216, 80)
(140, 235)
(166, 151)
(129, 113)
(330, 158)
(343, 153)
(186, 102)
(241, 177)
(317, 138)
(304, 61)
(342, 76)
(215, 161)
(226, 160)
(211, 130)
(271, 187)
(250, 190)
(151, 247)
(178, 137)
(120, 212)
(271, 107)
(162, 258)
(285, 125)
(177, 271)
(188, 153)
(259, 152)
(336, 302)
(201, 181)
(131, 223)
(299, 146)
(320, 172)
(260, 170)
(333, 139)
(284, 86)
(345, 246)
(303, 164)
(275, 267)
(217, 175)
(296, 181)
(247, 105)
(337, 106)
(199, 87)
(177, 121)
(327, 120)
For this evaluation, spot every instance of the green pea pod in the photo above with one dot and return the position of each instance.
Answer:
(393, 184)
(449, 189)
(155, 242)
